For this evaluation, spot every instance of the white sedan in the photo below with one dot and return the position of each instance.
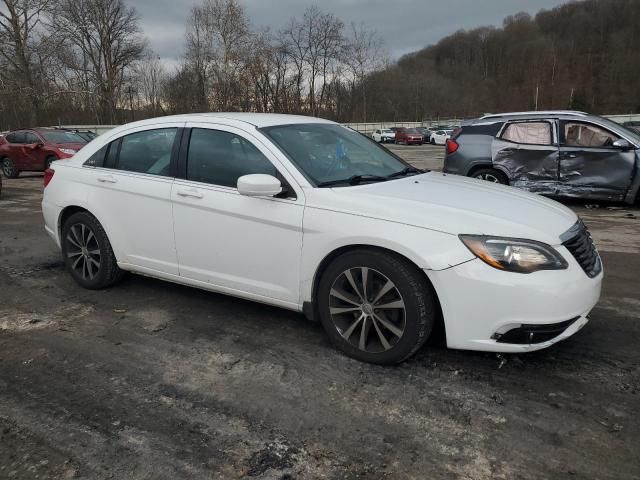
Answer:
(440, 137)
(383, 135)
(311, 216)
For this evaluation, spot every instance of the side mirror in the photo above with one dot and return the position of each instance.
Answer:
(622, 144)
(259, 185)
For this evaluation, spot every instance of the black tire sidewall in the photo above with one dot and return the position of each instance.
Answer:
(415, 291)
(14, 171)
(102, 279)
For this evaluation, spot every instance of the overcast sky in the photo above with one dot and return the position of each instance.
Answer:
(404, 25)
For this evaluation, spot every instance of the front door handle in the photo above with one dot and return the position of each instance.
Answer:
(569, 155)
(107, 179)
(190, 192)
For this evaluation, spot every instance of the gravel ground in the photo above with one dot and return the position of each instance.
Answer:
(149, 380)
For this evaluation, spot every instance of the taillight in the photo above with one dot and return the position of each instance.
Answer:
(48, 175)
(452, 146)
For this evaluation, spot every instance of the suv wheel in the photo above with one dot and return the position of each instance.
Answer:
(491, 175)
(375, 307)
(87, 252)
(9, 168)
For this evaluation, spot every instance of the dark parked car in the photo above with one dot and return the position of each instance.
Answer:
(426, 134)
(33, 150)
(633, 125)
(87, 135)
(408, 136)
(557, 153)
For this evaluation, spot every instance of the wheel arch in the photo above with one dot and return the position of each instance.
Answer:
(70, 210)
(309, 308)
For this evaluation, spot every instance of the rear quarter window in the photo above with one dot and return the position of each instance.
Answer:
(490, 129)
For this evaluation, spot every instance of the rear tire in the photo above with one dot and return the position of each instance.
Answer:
(382, 316)
(9, 168)
(87, 252)
(490, 175)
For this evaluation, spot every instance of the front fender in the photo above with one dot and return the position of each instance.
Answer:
(326, 231)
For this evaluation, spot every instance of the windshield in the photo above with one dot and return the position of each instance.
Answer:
(60, 136)
(411, 130)
(635, 136)
(387, 131)
(332, 153)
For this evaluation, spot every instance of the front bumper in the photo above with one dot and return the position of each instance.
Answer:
(481, 305)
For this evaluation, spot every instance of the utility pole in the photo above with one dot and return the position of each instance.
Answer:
(130, 90)
(537, 93)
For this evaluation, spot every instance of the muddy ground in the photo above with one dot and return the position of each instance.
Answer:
(149, 380)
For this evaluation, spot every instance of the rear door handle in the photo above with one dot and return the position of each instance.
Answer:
(568, 155)
(107, 179)
(190, 192)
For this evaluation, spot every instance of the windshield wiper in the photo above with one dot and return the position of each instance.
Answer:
(405, 172)
(354, 180)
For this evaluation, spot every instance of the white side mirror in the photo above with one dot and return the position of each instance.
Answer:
(259, 185)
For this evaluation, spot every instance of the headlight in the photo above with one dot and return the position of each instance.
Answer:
(68, 151)
(514, 254)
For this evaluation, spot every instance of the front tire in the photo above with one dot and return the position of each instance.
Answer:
(376, 307)
(9, 168)
(87, 252)
(49, 160)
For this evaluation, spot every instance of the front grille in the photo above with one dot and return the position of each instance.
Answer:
(579, 242)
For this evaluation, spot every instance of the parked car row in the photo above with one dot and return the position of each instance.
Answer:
(435, 135)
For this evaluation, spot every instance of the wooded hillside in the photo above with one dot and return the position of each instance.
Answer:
(582, 55)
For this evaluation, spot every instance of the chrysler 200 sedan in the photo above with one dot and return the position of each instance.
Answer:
(308, 215)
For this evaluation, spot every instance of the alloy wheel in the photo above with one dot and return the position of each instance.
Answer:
(488, 177)
(7, 168)
(83, 251)
(367, 309)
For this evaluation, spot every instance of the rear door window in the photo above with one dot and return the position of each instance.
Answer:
(576, 134)
(31, 138)
(530, 133)
(146, 152)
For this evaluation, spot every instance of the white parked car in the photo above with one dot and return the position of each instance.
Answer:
(383, 135)
(440, 137)
(311, 216)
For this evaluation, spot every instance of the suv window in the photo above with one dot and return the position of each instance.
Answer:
(16, 137)
(31, 138)
(587, 135)
(146, 152)
(220, 158)
(532, 133)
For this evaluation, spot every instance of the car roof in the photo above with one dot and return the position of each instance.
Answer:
(533, 114)
(258, 120)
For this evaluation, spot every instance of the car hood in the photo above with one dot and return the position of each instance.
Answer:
(452, 204)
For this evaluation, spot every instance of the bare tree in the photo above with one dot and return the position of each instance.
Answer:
(104, 37)
(218, 40)
(364, 55)
(24, 53)
(149, 75)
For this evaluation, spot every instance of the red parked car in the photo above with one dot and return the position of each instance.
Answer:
(409, 136)
(33, 150)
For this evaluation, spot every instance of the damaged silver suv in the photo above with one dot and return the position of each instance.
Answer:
(555, 153)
